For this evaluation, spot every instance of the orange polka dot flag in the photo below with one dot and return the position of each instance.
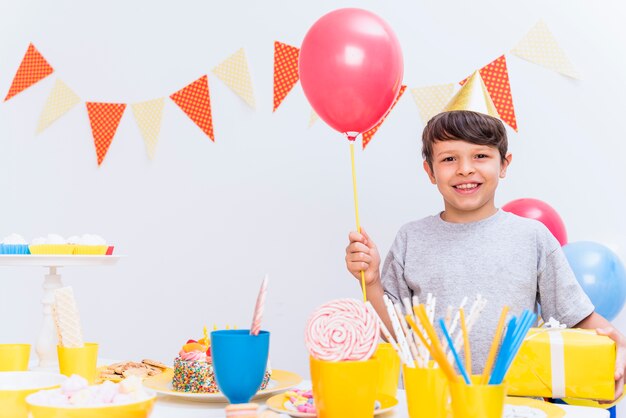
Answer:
(368, 135)
(195, 101)
(496, 78)
(104, 119)
(285, 71)
(33, 68)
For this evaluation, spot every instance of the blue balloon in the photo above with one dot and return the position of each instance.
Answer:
(600, 273)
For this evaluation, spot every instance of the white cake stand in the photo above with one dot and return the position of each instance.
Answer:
(46, 346)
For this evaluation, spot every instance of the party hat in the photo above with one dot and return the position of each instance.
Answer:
(473, 96)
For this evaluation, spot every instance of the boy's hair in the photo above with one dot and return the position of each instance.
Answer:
(464, 125)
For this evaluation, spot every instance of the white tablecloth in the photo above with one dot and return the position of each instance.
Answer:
(173, 407)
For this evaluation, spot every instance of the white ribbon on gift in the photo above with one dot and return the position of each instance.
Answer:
(557, 357)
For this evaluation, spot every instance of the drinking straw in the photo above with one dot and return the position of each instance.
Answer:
(504, 349)
(437, 351)
(459, 364)
(423, 350)
(466, 344)
(356, 206)
(405, 331)
(518, 343)
(439, 358)
(397, 329)
(258, 309)
(494, 346)
(384, 330)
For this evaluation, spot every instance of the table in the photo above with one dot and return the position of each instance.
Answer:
(46, 346)
(174, 407)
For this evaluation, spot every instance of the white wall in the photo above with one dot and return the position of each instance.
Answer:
(203, 222)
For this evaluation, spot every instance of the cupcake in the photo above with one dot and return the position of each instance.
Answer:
(89, 244)
(14, 244)
(52, 244)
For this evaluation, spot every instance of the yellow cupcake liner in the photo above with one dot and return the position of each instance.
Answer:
(58, 249)
(90, 249)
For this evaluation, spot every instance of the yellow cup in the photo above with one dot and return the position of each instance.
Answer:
(14, 357)
(344, 388)
(426, 390)
(81, 361)
(477, 400)
(389, 362)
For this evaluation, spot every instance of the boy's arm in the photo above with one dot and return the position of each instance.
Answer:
(604, 327)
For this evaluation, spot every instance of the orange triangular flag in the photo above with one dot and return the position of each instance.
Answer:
(195, 101)
(285, 71)
(33, 68)
(496, 78)
(368, 135)
(104, 119)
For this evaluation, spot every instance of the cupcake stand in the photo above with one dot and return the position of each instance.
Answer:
(45, 346)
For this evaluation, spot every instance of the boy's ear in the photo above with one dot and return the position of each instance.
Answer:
(505, 164)
(429, 172)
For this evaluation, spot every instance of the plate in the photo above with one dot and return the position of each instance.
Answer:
(277, 404)
(551, 410)
(280, 381)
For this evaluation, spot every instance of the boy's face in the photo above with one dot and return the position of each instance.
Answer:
(467, 176)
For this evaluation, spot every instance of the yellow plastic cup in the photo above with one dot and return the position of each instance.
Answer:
(477, 400)
(389, 362)
(344, 388)
(426, 390)
(14, 357)
(81, 361)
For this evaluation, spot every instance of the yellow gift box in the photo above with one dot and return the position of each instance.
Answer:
(560, 362)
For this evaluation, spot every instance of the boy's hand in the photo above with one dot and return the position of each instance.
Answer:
(362, 255)
(620, 358)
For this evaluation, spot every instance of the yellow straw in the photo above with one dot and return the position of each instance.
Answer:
(494, 346)
(356, 210)
(466, 345)
(435, 348)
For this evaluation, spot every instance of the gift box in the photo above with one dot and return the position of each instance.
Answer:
(560, 362)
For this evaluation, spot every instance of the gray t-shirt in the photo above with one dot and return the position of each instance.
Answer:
(508, 259)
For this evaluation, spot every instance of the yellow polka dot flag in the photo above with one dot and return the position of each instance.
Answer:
(148, 116)
(32, 69)
(104, 119)
(540, 47)
(431, 100)
(195, 101)
(235, 74)
(285, 71)
(496, 78)
(59, 102)
(368, 135)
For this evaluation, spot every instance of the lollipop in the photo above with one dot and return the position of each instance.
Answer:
(342, 329)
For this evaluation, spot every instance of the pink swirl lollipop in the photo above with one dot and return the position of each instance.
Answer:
(342, 329)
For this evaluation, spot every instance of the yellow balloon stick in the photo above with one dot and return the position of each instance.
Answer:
(356, 210)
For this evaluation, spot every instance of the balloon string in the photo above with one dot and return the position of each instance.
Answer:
(356, 210)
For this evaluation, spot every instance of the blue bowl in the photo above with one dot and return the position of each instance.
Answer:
(14, 249)
(239, 362)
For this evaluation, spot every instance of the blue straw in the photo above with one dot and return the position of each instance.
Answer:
(520, 341)
(502, 355)
(454, 353)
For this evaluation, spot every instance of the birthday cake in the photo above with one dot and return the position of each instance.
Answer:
(193, 368)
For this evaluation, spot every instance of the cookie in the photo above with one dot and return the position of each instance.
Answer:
(154, 363)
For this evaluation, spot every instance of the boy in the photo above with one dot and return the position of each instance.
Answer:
(473, 247)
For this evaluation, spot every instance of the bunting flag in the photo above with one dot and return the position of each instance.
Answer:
(432, 99)
(33, 68)
(540, 47)
(285, 71)
(496, 78)
(368, 135)
(104, 119)
(235, 74)
(195, 101)
(313, 118)
(59, 102)
(148, 116)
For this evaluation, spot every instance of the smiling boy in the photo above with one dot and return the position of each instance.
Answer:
(473, 247)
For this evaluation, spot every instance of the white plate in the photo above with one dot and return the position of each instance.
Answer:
(279, 403)
(280, 381)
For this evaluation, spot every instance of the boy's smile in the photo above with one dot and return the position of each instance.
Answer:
(467, 176)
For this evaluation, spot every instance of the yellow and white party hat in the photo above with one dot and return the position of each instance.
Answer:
(473, 96)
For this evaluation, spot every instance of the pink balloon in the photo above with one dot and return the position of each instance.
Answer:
(541, 211)
(351, 69)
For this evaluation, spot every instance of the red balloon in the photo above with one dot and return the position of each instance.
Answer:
(541, 211)
(351, 69)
